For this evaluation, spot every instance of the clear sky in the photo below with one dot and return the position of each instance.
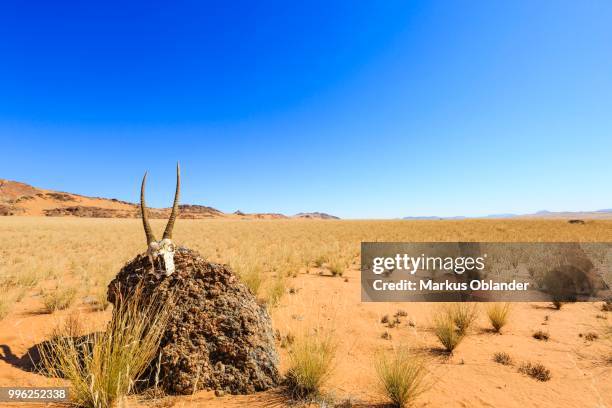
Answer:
(360, 109)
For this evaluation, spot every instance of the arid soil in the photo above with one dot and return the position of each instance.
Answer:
(87, 253)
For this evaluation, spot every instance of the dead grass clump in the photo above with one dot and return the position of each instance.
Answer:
(463, 315)
(535, 370)
(104, 371)
(502, 358)
(590, 336)
(276, 290)
(541, 335)
(446, 331)
(59, 299)
(311, 362)
(336, 268)
(401, 377)
(6, 302)
(253, 279)
(498, 314)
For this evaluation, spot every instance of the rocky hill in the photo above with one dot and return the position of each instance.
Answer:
(20, 199)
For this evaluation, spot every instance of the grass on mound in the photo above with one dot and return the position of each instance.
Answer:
(105, 370)
(463, 315)
(401, 377)
(311, 359)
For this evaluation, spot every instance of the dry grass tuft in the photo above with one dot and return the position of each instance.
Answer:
(446, 331)
(6, 302)
(59, 299)
(535, 370)
(401, 377)
(311, 362)
(463, 315)
(498, 314)
(502, 358)
(103, 368)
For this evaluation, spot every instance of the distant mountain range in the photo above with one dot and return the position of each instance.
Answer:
(20, 199)
(598, 214)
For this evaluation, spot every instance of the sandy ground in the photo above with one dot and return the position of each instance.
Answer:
(581, 370)
(581, 376)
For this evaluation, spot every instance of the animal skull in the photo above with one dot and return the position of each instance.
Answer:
(161, 253)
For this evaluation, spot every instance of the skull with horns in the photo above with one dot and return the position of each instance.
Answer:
(161, 253)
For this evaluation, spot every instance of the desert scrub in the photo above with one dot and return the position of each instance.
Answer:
(463, 315)
(337, 268)
(104, 367)
(276, 290)
(502, 358)
(401, 377)
(58, 299)
(311, 358)
(6, 301)
(535, 370)
(446, 331)
(541, 335)
(252, 278)
(498, 314)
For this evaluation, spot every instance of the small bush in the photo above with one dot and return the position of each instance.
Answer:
(502, 358)
(336, 268)
(540, 335)
(463, 315)
(105, 368)
(401, 377)
(446, 331)
(590, 336)
(537, 371)
(319, 261)
(59, 299)
(498, 314)
(311, 358)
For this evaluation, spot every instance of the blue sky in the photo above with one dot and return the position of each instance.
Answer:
(359, 109)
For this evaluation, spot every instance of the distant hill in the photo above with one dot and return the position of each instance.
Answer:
(599, 214)
(20, 199)
(316, 215)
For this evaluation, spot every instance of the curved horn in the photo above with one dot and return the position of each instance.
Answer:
(175, 205)
(143, 210)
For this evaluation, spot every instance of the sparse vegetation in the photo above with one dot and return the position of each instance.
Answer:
(311, 359)
(446, 331)
(535, 370)
(502, 358)
(276, 290)
(253, 279)
(401, 377)
(498, 314)
(59, 299)
(540, 335)
(463, 315)
(103, 368)
(5, 304)
(337, 268)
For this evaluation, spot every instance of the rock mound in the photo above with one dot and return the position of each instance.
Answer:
(218, 337)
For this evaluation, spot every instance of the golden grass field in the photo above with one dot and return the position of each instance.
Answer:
(45, 262)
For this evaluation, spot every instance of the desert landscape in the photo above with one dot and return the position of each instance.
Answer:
(55, 270)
